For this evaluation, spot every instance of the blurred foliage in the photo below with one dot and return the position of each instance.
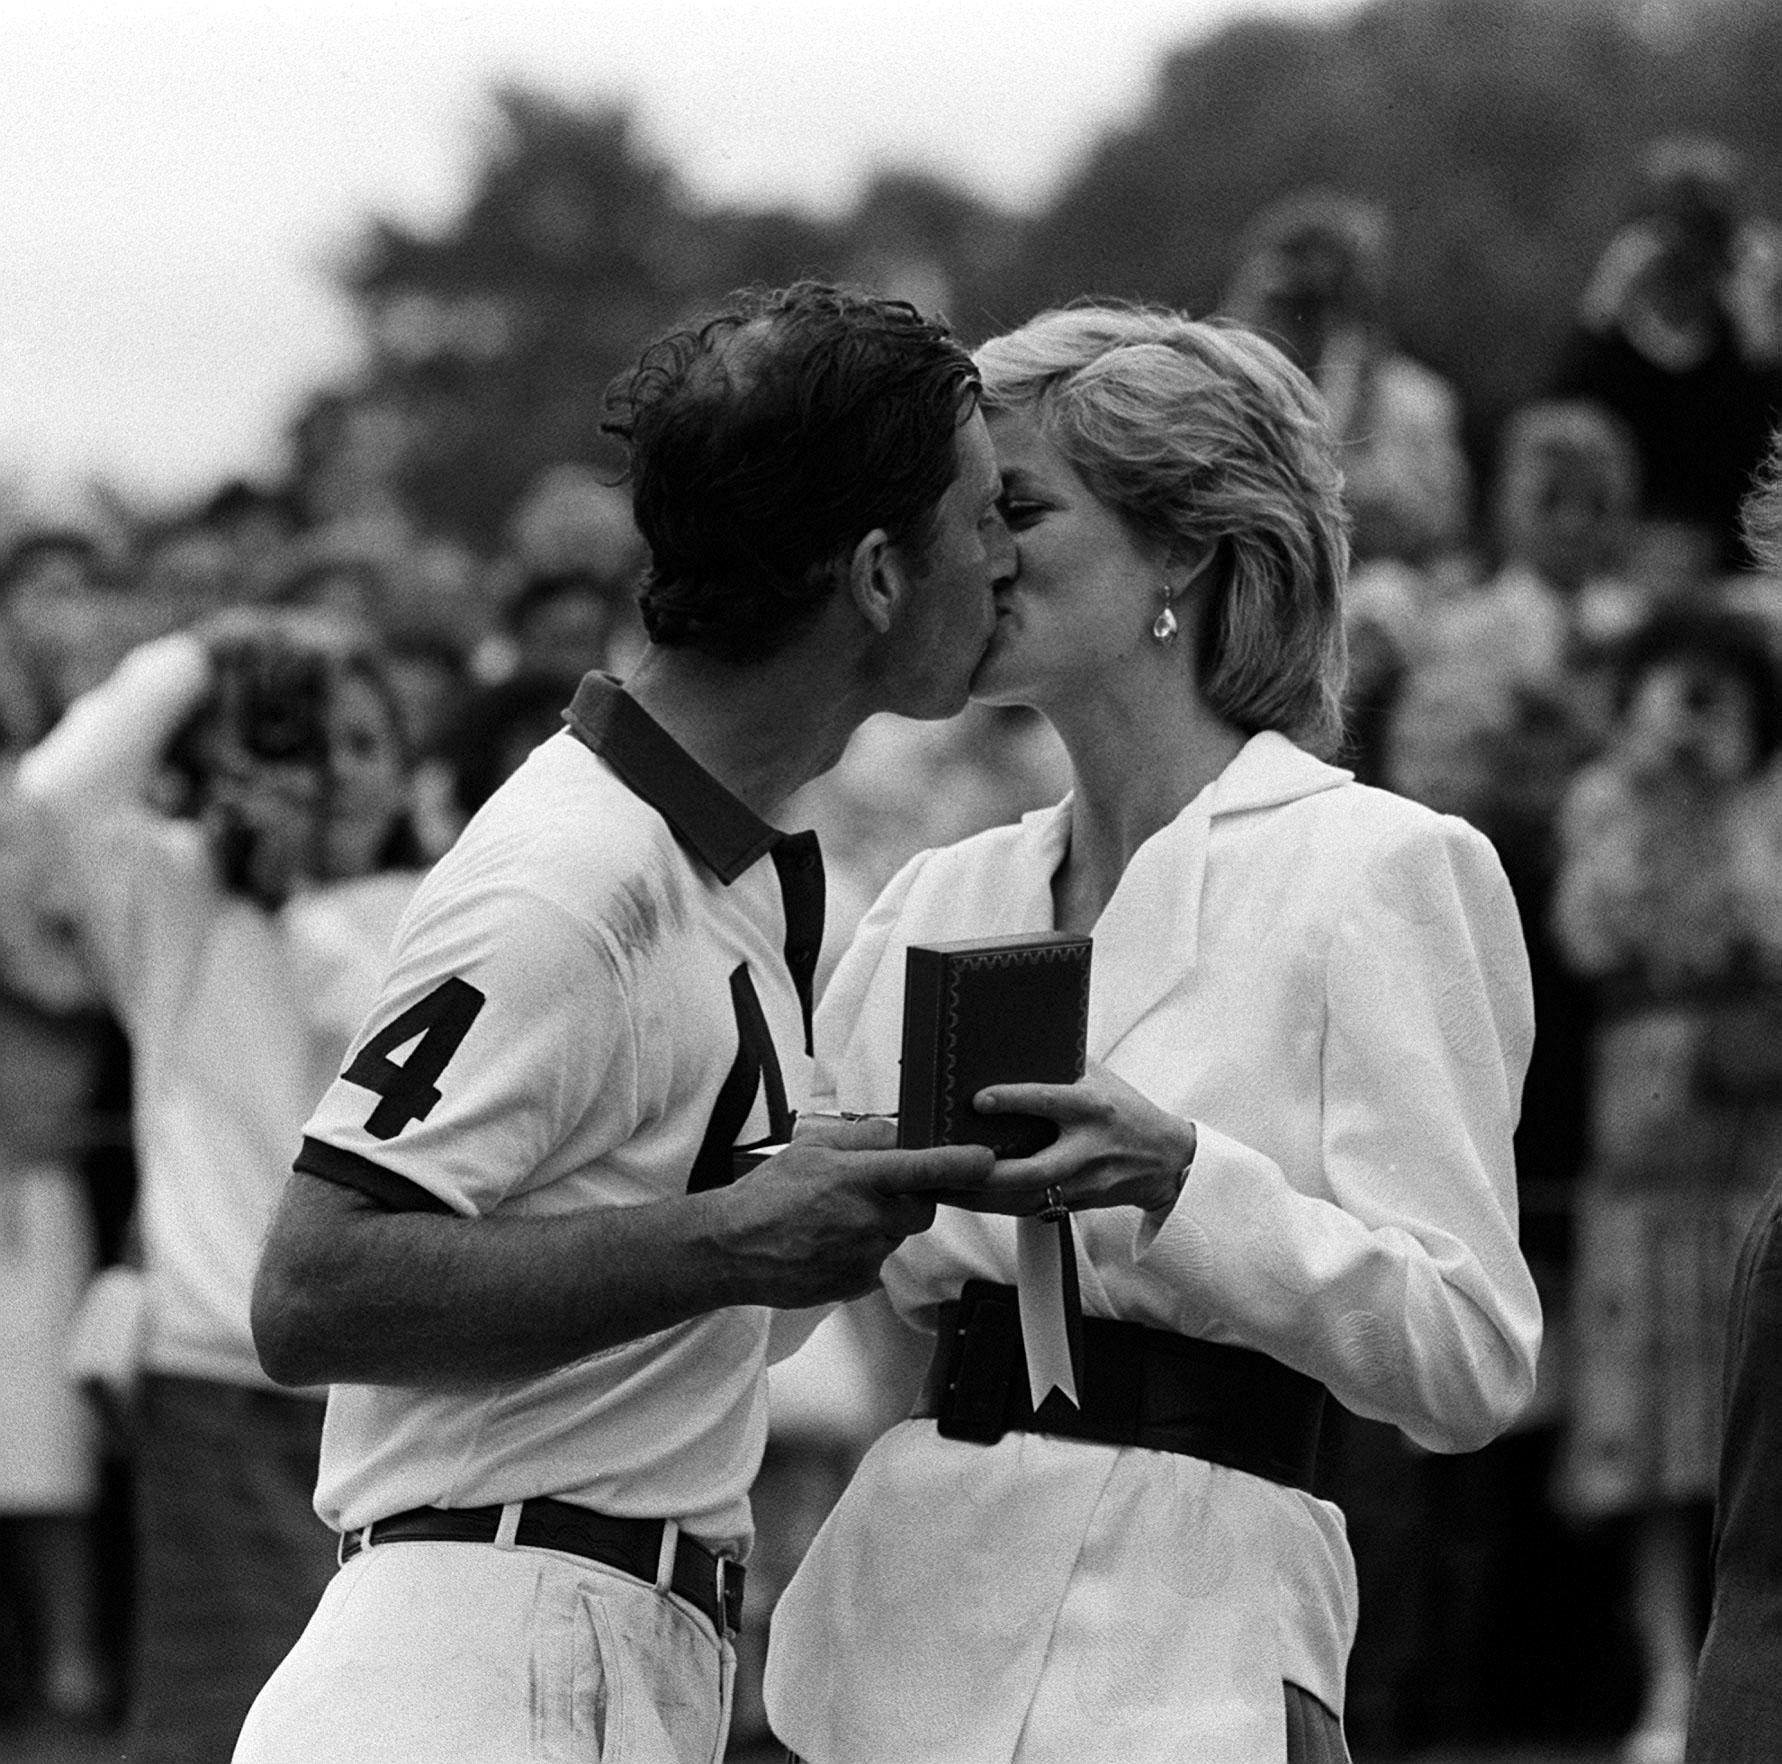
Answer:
(1499, 134)
(493, 342)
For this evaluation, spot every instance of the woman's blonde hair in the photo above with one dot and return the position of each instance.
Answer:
(1201, 434)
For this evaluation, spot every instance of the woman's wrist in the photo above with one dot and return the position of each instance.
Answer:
(1175, 1177)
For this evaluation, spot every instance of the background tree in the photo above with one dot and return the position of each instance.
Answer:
(1499, 136)
(495, 338)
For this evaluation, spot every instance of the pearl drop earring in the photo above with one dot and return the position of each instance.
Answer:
(1164, 626)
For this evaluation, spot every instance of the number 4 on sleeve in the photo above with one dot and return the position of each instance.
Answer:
(441, 1020)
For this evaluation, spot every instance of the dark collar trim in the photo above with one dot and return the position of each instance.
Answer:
(723, 833)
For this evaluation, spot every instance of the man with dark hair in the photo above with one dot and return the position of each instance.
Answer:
(1737, 1713)
(516, 1243)
(743, 563)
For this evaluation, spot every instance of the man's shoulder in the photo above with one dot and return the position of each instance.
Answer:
(566, 806)
(564, 833)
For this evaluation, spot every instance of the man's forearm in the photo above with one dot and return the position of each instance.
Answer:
(349, 1293)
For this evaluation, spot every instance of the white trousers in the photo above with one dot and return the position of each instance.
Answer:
(421, 1652)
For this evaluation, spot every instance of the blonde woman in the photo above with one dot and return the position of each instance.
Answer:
(1289, 1163)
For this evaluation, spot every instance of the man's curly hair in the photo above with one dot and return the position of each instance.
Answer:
(768, 440)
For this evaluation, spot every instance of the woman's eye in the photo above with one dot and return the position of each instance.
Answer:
(1017, 512)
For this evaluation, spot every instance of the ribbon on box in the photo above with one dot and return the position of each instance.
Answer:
(1051, 1304)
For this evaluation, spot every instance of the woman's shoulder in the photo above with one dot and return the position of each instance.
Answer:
(947, 893)
(986, 859)
(1361, 817)
(1360, 837)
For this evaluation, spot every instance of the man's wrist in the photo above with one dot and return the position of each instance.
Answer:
(715, 1254)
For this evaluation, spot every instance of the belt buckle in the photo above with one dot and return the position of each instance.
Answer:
(728, 1595)
(986, 1346)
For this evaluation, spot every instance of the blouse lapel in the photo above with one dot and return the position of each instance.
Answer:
(1147, 940)
(1148, 935)
(1013, 899)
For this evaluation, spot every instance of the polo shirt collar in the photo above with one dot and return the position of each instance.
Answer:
(722, 832)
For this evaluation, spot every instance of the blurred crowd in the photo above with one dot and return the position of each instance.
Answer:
(1564, 644)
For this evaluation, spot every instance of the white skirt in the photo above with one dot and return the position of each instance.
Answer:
(1045, 1600)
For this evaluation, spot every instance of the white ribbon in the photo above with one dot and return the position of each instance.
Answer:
(1039, 1285)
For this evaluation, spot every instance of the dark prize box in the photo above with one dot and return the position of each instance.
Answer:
(990, 1011)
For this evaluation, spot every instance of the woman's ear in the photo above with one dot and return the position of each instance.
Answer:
(1186, 567)
(876, 580)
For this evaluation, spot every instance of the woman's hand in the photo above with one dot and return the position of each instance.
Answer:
(1115, 1148)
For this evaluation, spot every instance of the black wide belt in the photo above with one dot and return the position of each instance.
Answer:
(1139, 1386)
(711, 1583)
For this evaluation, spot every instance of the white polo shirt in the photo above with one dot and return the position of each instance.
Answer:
(591, 1003)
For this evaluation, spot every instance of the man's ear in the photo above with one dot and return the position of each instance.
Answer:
(877, 580)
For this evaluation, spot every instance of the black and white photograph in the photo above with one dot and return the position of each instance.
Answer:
(891, 885)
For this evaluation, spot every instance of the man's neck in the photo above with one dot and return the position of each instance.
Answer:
(761, 729)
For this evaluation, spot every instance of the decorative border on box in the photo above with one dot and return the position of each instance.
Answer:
(959, 965)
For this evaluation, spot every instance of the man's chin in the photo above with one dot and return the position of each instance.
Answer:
(987, 686)
(984, 672)
(938, 709)
(960, 690)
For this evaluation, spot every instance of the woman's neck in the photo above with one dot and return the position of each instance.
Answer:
(1133, 775)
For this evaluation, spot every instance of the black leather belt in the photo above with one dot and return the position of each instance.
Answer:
(711, 1583)
(1143, 1387)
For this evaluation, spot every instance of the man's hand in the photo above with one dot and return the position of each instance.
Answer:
(815, 1222)
(349, 1292)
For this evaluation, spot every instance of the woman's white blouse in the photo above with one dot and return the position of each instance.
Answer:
(1330, 981)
